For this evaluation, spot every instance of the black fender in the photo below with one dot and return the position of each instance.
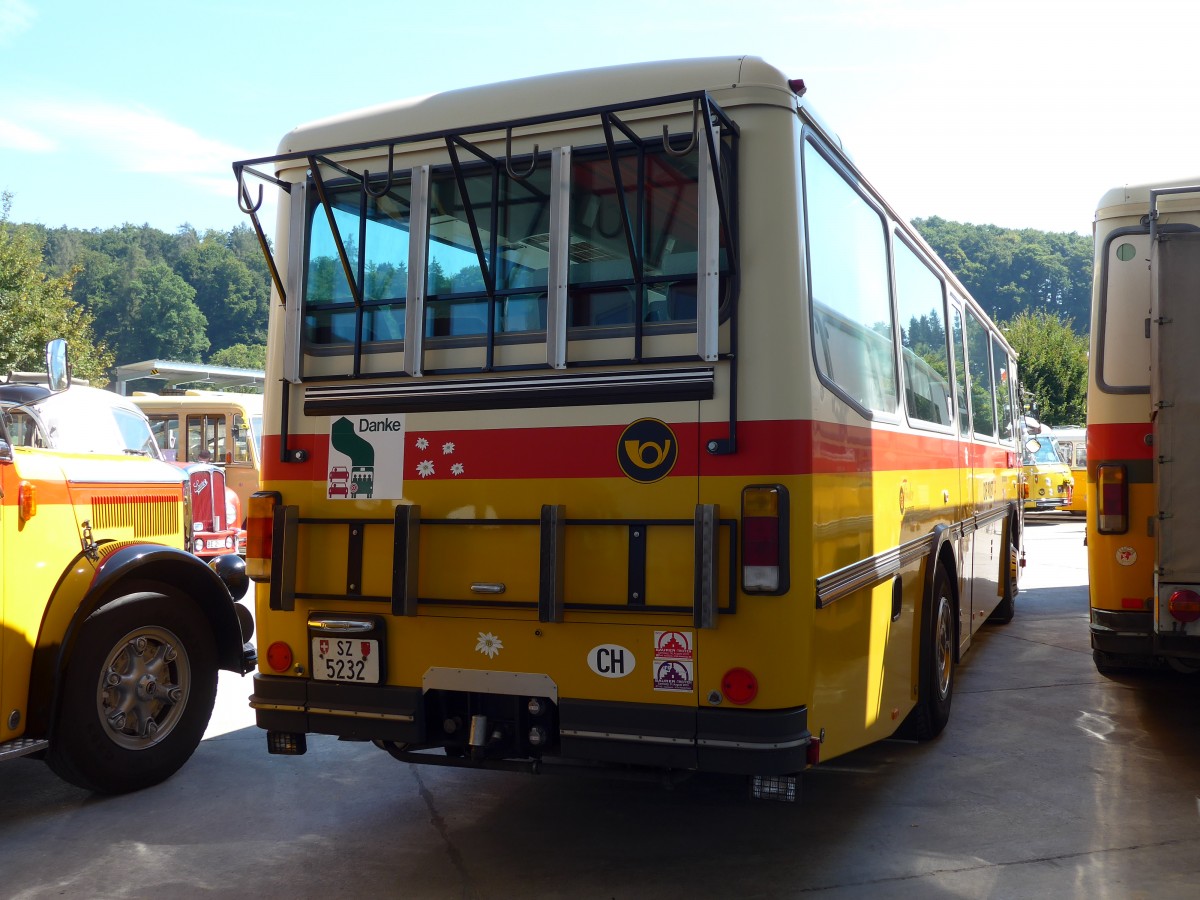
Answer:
(941, 549)
(87, 586)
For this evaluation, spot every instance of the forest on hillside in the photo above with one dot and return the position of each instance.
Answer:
(1014, 271)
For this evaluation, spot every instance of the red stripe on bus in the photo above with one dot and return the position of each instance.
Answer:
(1120, 441)
(765, 448)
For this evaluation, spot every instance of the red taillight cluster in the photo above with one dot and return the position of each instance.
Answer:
(260, 531)
(764, 539)
(1112, 500)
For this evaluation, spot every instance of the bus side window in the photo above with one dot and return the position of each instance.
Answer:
(920, 300)
(960, 374)
(849, 287)
(983, 387)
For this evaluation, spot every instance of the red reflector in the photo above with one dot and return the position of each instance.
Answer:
(1184, 606)
(814, 752)
(739, 686)
(1133, 603)
(279, 656)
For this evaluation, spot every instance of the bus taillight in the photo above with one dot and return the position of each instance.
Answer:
(1184, 606)
(1112, 492)
(764, 539)
(260, 531)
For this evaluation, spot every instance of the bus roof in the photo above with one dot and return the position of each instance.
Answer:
(252, 403)
(1134, 199)
(535, 96)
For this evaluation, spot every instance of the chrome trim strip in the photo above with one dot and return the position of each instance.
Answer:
(414, 308)
(22, 747)
(557, 270)
(744, 745)
(341, 626)
(487, 587)
(872, 571)
(485, 681)
(293, 313)
(631, 738)
(358, 714)
(708, 240)
(327, 711)
(425, 395)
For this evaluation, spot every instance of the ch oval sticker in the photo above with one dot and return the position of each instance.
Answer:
(611, 661)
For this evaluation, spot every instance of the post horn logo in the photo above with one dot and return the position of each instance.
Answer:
(647, 450)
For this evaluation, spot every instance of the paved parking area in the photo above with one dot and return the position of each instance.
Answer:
(1050, 781)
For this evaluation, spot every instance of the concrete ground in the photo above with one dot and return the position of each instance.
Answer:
(1050, 781)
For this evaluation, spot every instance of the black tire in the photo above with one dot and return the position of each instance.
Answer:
(932, 711)
(137, 696)
(1007, 607)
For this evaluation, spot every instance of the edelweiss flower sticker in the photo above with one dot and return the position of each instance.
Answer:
(489, 645)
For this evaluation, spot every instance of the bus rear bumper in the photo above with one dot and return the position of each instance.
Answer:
(1123, 632)
(1129, 640)
(734, 741)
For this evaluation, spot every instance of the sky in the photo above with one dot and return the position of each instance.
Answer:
(1019, 113)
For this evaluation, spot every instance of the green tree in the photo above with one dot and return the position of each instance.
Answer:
(159, 319)
(36, 307)
(1052, 364)
(241, 356)
(231, 296)
(1010, 271)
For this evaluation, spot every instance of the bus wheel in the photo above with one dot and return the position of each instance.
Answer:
(1007, 607)
(932, 711)
(1183, 666)
(137, 694)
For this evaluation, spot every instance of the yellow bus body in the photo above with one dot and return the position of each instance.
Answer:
(94, 586)
(1141, 401)
(540, 546)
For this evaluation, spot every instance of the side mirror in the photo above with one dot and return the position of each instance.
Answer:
(1033, 445)
(58, 373)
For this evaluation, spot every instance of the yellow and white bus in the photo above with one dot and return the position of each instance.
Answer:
(224, 424)
(1143, 402)
(1072, 450)
(1048, 485)
(613, 416)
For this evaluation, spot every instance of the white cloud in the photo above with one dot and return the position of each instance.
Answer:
(18, 137)
(135, 140)
(16, 16)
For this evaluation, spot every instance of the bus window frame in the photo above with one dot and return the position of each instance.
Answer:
(723, 177)
(810, 135)
(952, 412)
(313, 204)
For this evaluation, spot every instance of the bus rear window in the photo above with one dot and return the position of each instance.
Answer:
(632, 248)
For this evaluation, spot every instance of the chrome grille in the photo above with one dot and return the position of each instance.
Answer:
(147, 515)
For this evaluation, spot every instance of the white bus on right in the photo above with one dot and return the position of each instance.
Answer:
(1143, 476)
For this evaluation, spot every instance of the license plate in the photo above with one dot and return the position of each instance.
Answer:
(215, 543)
(345, 659)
